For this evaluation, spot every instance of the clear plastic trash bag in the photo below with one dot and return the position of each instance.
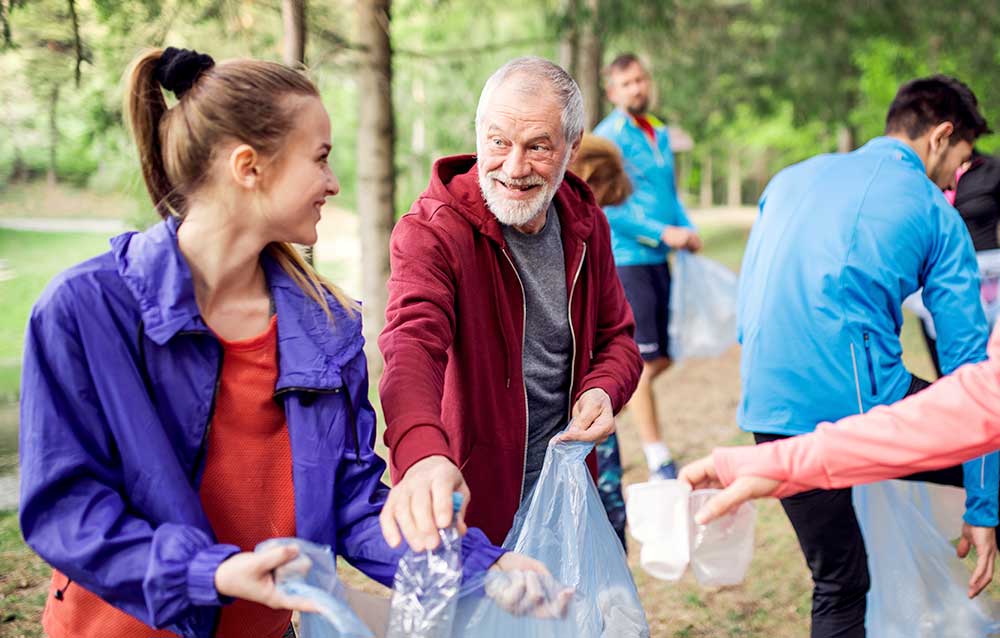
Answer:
(702, 307)
(426, 588)
(918, 585)
(563, 524)
(661, 517)
(313, 575)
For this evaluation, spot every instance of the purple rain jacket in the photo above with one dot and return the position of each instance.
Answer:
(117, 393)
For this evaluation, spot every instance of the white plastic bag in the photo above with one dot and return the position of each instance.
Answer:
(918, 586)
(702, 307)
(661, 517)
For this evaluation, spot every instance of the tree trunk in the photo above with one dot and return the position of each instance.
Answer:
(589, 66)
(569, 43)
(734, 179)
(705, 194)
(53, 133)
(376, 171)
(293, 15)
(845, 139)
(77, 41)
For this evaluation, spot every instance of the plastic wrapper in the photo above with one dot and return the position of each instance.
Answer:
(313, 576)
(918, 585)
(661, 516)
(426, 588)
(563, 524)
(702, 307)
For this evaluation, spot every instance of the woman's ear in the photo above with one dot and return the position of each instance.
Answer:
(244, 166)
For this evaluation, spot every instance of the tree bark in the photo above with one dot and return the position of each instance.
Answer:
(77, 41)
(53, 133)
(376, 171)
(734, 179)
(569, 42)
(589, 66)
(705, 190)
(845, 139)
(293, 15)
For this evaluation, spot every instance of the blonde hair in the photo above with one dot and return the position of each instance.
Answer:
(235, 100)
(600, 164)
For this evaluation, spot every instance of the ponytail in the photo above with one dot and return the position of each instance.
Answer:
(145, 107)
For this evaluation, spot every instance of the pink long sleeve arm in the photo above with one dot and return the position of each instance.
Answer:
(954, 420)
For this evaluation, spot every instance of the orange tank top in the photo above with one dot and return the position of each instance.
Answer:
(246, 491)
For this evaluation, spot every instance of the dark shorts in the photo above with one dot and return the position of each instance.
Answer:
(647, 289)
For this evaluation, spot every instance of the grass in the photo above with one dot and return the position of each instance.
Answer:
(31, 260)
(23, 583)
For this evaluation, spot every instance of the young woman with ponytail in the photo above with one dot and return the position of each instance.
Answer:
(199, 388)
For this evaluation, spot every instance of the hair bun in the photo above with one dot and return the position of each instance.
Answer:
(179, 69)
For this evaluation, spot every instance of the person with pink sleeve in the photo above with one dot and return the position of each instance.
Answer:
(954, 420)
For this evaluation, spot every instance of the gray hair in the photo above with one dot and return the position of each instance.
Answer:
(537, 70)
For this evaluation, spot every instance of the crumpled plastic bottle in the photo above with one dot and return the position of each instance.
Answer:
(426, 587)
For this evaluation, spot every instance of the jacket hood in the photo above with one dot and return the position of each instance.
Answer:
(455, 182)
(311, 350)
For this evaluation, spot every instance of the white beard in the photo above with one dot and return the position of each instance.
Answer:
(512, 212)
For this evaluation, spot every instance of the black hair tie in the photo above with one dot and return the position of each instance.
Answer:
(178, 69)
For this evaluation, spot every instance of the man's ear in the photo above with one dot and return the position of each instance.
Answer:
(575, 149)
(244, 166)
(940, 136)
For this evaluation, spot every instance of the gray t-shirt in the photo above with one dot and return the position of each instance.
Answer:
(548, 343)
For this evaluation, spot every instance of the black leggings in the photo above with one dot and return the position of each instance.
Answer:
(829, 535)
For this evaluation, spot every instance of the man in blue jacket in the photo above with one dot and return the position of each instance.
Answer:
(841, 240)
(643, 230)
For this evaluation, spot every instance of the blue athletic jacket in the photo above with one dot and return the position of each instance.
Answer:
(840, 241)
(118, 389)
(636, 224)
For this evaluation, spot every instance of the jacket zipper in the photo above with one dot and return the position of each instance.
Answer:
(871, 366)
(524, 327)
(203, 447)
(572, 333)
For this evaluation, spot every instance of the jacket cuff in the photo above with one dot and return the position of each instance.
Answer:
(201, 575)
(418, 443)
(478, 555)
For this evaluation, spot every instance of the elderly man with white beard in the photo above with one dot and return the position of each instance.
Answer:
(506, 320)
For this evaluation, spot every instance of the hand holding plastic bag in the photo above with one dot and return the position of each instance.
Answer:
(313, 576)
(702, 307)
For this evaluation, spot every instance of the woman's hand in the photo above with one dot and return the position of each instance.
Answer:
(523, 586)
(250, 576)
(702, 475)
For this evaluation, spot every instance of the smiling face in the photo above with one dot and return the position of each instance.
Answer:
(522, 151)
(300, 178)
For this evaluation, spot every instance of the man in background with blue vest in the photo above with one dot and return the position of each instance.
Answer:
(644, 229)
(841, 240)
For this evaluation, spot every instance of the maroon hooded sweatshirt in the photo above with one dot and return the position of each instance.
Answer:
(454, 335)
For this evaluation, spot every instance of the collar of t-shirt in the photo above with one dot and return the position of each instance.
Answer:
(647, 127)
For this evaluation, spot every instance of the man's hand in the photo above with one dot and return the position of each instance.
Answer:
(593, 418)
(421, 504)
(984, 539)
(694, 243)
(250, 576)
(702, 475)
